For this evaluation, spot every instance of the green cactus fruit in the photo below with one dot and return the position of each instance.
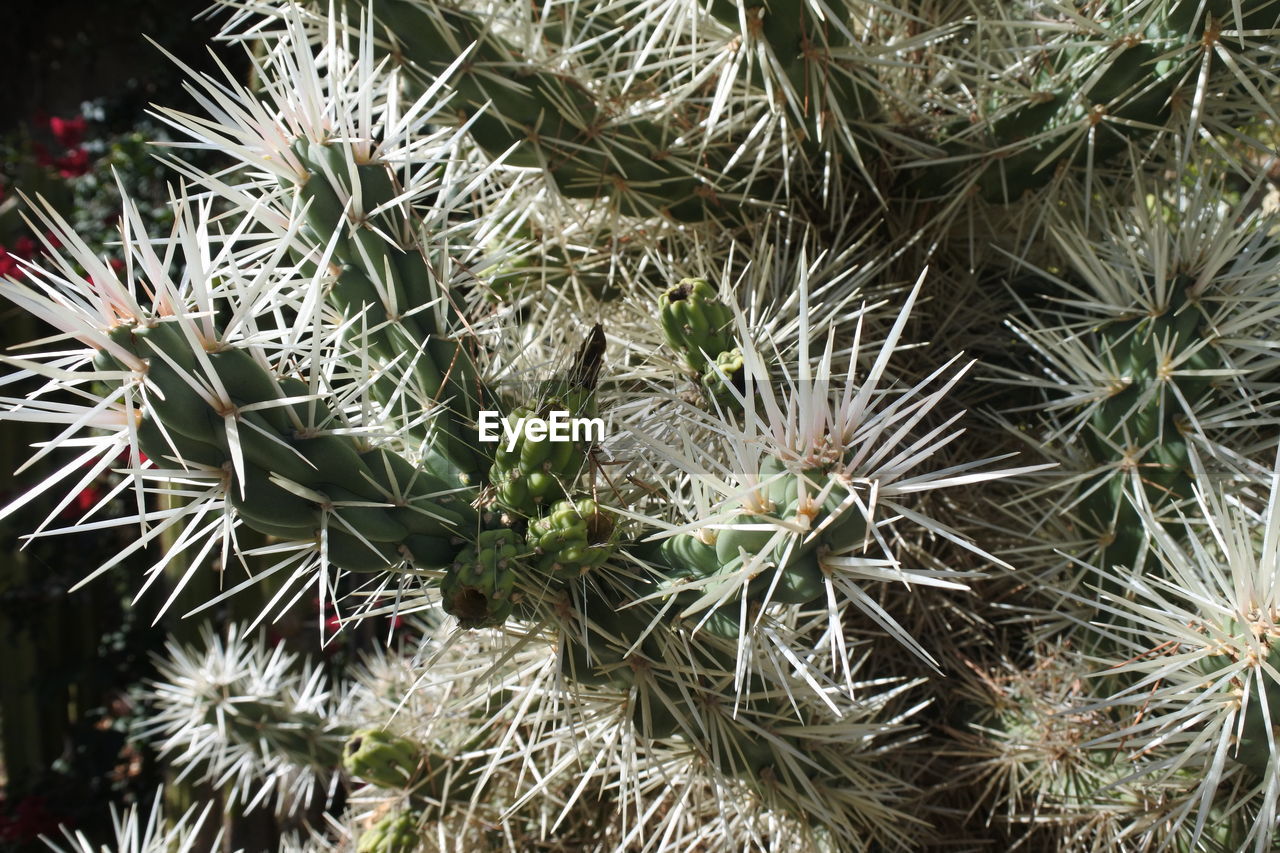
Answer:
(726, 374)
(395, 832)
(382, 758)
(535, 473)
(478, 587)
(695, 322)
(572, 538)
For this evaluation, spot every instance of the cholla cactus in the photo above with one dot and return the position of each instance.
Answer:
(152, 833)
(248, 720)
(683, 220)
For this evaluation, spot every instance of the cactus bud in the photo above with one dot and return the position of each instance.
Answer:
(382, 758)
(572, 538)
(396, 832)
(695, 322)
(477, 589)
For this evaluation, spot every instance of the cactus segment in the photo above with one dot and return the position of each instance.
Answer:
(374, 523)
(810, 52)
(799, 581)
(382, 282)
(346, 551)
(382, 758)
(572, 538)
(595, 652)
(732, 543)
(1142, 423)
(160, 337)
(180, 406)
(1258, 731)
(1136, 81)
(395, 832)
(247, 382)
(726, 374)
(258, 499)
(538, 117)
(652, 717)
(478, 587)
(687, 554)
(431, 552)
(696, 323)
(175, 447)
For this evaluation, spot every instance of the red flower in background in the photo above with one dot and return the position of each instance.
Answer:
(29, 820)
(9, 264)
(68, 131)
(43, 157)
(24, 248)
(73, 164)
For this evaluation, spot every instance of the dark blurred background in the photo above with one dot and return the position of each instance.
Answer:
(60, 53)
(76, 80)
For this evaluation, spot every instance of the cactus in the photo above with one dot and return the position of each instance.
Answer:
(572, 538)
(530, 473)
(1080, 102)
(479, 587)
(696, 323)
(382, 758)
(236, 713)
(747, 589)
(394, 833)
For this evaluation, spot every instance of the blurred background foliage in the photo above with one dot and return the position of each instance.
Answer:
(79, 77)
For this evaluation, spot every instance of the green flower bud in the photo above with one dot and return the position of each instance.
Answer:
(535, 473)
(572, 538)
(695, 322)
(382, 758)
(478, 587)
(396, 832)
(727, 372)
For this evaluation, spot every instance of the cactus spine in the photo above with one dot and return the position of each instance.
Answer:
(746, 591)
